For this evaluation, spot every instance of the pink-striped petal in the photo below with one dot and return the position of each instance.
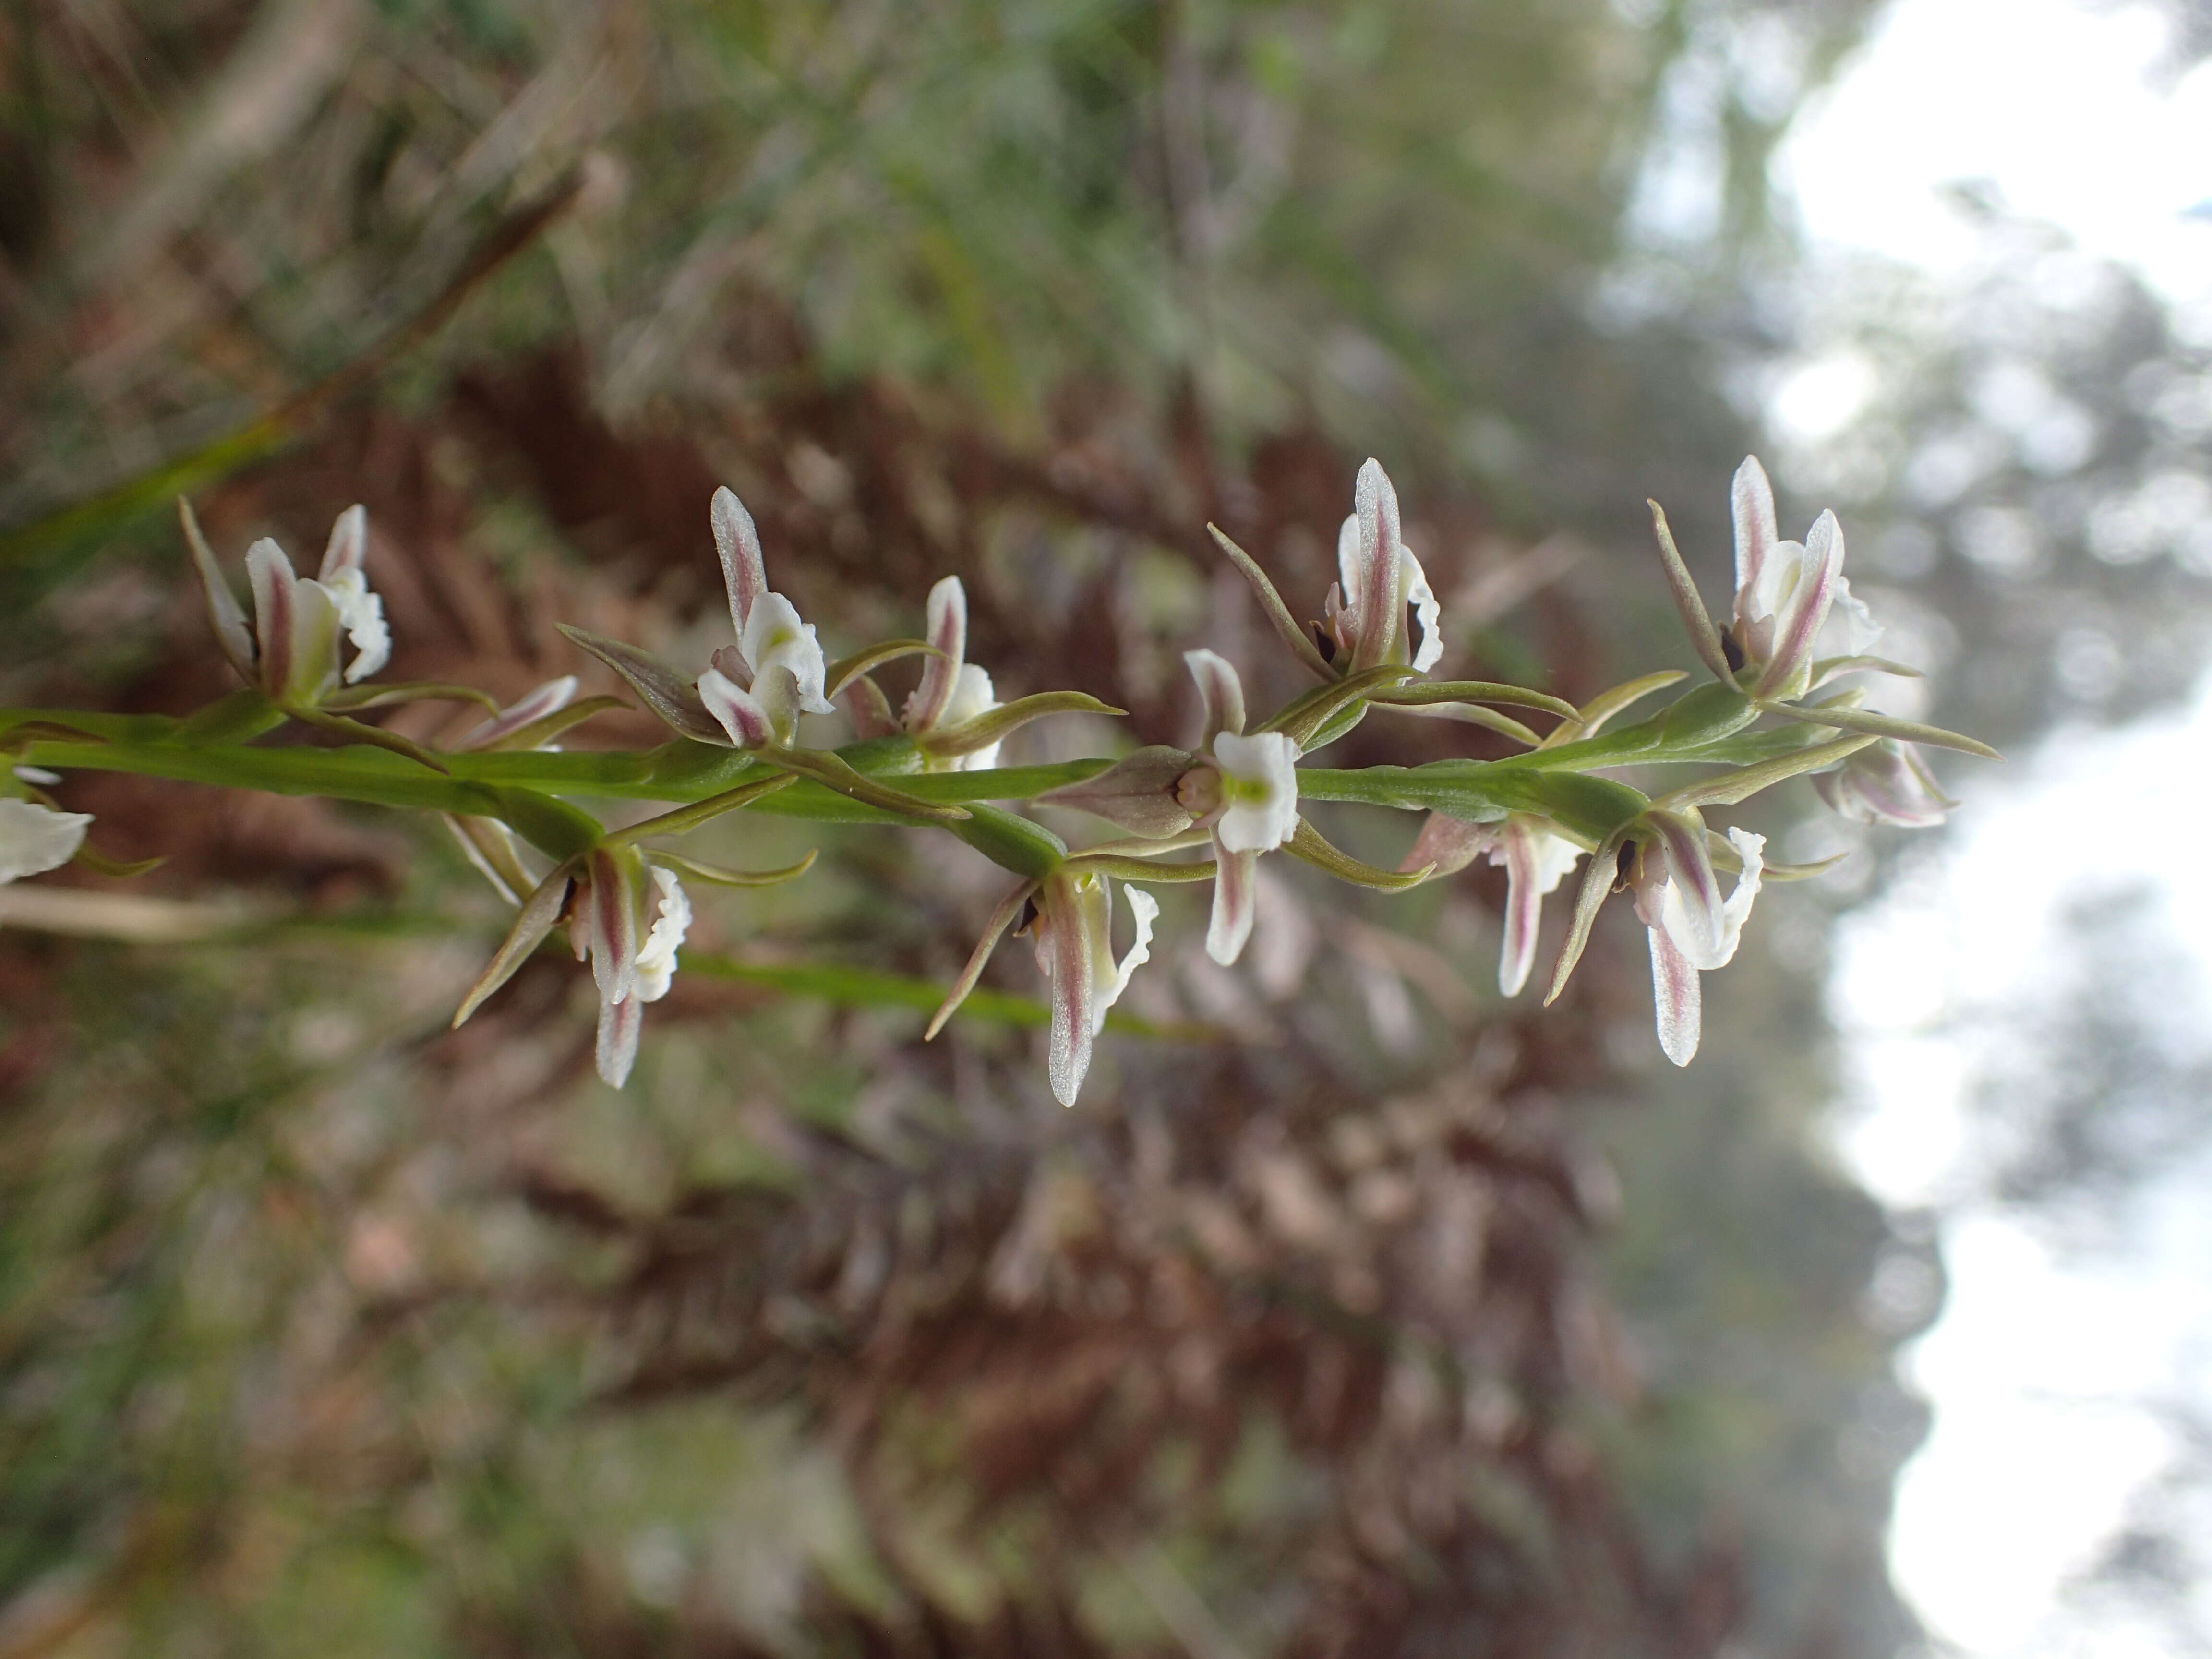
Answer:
(1676, 999)
(1378, 607)
(1751, 500)
(274, 585)
(737, 542)
(1073, 966)
(739, 713)
(940, 675)
(1804, 610)
(616, 1051)
(1691, 908)
(1524, 907)
(348, 543)
(1220, 691)
(610, 920)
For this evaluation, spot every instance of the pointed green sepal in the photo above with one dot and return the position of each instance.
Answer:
(1271, 606)
(1308, 843)
(1727, 789)
(1882, 726)
(720, 877)
(994, 724)
(846, 669)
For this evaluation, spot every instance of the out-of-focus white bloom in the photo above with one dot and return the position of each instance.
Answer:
(1886, 782)
(952, 690)
(757, 689)
(1793, 606)
(1693, 928)
(488, 843)
(1244, 791)
(291, 648)
(1377, 577)
(35, 838)
(1536, 859)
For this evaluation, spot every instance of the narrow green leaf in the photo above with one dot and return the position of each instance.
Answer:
(355, 731)
(1829, 668)
(996, 724)
(1684, 587)
(833, 772)
(1271, 606)
(875, 656)
(720, 877)
(546, 727)
(1883, 726)
(1591, 717)
(352, 698)
(1423, 691)
(683, 819)
(1130, 868)
(1597, 881)
(1308, 844)
(1727, 789)
(1469, 713)
(1302, 717)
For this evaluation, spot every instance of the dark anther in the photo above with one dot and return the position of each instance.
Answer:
(1029, 916)
(1325, 640)
(1623, 862)
(1732, 651)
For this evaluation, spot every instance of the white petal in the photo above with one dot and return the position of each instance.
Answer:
(1234, 897)
(1258, 789)
(1065, 941)
(1850, 628)
(533, 705)
(34, 838)
(1427, 612)
(360, 613)
(1144, 909)
(1752, 849)
(610, 924)
(775, 637)
(656, 958)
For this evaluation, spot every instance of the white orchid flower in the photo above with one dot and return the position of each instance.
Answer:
(1075, 949)
(291, 648)
(1793, 606)
(1378, 576)
(1886, 782)
(1244, 791)
(1693, 928)
(952, 690)
(35, 838)
(757, 689)
(1071, 915)
(1537, 858)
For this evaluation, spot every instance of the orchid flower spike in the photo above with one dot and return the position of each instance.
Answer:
(1244, 791)
(35, 837)
(1693, 929)
(1377, 577)
(1536, 859)
(757, 689)
(290, 650)
(1886, 782)
(1793, 606)
(953, 690)
(626, 917)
